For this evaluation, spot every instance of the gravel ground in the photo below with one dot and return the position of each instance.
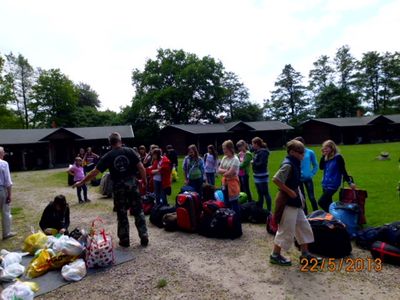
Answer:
(194, 267)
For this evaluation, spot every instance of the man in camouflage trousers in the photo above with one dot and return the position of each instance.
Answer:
(123, 164)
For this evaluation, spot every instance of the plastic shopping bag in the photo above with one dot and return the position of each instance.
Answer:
(100, 250)
(40, 264)
(74, 271)
(34, 242)
(9, 258)
(11, 272)
(67, 245)
(19, 291)
(174, 175)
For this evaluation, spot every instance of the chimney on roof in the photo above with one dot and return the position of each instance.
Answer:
(360, 113)
(221, 120)
(53, 124)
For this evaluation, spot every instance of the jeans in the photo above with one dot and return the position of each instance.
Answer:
(263, 192)
(234, 205)
(79, 192)
(6, 212)
(161, 196)
(210, 178)
(245, 187)
(326, 199)
(309, 186)
(197, 184)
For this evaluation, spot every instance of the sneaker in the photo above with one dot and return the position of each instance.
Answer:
(307, 259)
(144, 241)
(10, 235)
(88, 200)
(279, 260)
(124, 244)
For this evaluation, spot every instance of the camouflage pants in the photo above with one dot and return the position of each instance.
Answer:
(125, 198)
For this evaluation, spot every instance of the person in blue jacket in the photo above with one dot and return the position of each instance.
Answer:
(309, 167)
(332, 163)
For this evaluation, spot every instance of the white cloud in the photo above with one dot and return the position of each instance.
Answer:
(100, 42)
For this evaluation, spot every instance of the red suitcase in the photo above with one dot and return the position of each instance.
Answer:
(188, 209)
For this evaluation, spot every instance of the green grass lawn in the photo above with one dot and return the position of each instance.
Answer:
(379, 178)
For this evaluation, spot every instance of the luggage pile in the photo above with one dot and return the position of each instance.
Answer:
(383, 242)
(190, 214)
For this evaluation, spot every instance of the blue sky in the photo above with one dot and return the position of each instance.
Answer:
(100, 42)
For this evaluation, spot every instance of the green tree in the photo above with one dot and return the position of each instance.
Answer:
(87, 116)
(236, 96)
(248, 112)
(345, 66)
(87, 96)
(21, 75)
(55, 99)
(179, 87)
(335, 102)
(390, 83)
(288, 102)
(321, 75)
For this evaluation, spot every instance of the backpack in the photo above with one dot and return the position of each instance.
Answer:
(106, 185)
(170, 222)
(347, 213)
(208, 192)
(158, 213)
(387, 253)
(272, 226)
(188, 209)
(251, 212)
(331, 238)
(148, 202)
(224, 224)
(211, 206)
(359, 197)
(187, 188)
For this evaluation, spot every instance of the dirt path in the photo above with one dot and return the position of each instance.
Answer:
(195, 267)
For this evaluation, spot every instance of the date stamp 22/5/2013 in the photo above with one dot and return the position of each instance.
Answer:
(349, 265)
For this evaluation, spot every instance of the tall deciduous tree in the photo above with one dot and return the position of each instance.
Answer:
(179, 87)
(236, 95)
(87, 96)
(22, 75)
(289, 102)
(345, 65)
(55, 99)
(321, 75)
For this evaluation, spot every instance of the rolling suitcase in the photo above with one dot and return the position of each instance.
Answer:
(188, 209)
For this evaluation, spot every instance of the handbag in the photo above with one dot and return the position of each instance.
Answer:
(100, 249)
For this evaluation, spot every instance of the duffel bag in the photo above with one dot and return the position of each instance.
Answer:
(158, 213)
(224, 224)
(170, 222)
(391, 234)
(331, 238)
(387, 253)
(348, 213)
(251, 212)
(366, 237)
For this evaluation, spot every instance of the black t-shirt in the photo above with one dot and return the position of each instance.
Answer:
(122, 163)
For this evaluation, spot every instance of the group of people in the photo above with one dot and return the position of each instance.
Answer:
(126, 165)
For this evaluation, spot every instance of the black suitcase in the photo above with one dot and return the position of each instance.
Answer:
(225, 224)
(251, 212)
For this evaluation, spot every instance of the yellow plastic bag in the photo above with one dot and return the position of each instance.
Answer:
(174, 175)
(34, 242)
(40, 264)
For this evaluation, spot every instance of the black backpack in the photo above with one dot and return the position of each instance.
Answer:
(158, 213)
(331, 238)
(366, 237)
(391, 234)
(251, 212)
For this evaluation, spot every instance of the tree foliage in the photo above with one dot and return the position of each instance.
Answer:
(55, 99)
(87, 96)
(288, 101)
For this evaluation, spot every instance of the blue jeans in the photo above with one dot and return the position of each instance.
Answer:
(197, 184)
(161, 197)
(263, 192)
(79, 193)
(309, 186)
(326, 199)
(245, 187)
(234, 204)
(210, 178)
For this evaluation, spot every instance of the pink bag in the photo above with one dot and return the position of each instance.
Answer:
(100, 250)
